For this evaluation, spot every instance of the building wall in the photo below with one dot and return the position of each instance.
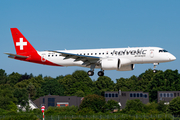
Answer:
(167, 96)
(123, 96)
(60, 101)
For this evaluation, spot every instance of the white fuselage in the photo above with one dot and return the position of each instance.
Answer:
(137, 55)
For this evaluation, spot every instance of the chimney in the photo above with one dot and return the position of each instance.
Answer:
(119, 92)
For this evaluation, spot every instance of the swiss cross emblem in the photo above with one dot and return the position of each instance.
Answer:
(21, 43)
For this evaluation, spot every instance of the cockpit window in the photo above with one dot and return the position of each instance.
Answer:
(163, 51)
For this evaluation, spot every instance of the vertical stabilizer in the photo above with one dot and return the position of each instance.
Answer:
(22, 45)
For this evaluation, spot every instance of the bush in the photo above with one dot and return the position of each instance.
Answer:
(20, 117)
(162, 107)
(72, 110)
(111, 105)
(94, 102)
(174, 106)
(151, 108)
(86, 111)
(135, 105)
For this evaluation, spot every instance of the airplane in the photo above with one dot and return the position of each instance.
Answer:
(120, 59)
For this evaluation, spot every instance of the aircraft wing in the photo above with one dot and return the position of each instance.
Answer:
(86, 59)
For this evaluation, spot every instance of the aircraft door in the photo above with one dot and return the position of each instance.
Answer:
(152, 53)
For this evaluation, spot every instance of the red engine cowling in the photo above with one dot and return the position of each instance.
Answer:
(120, 64)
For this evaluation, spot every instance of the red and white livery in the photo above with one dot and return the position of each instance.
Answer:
(120, 59)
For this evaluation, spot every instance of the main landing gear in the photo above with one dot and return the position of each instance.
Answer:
(91, 73)
(154, 68)
(101, 73)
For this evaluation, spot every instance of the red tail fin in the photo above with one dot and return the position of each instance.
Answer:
(22, 46)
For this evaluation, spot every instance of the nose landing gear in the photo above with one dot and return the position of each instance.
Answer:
(154, 68)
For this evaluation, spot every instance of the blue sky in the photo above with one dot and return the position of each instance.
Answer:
(85, 24)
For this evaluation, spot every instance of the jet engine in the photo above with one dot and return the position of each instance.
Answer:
(119, 64)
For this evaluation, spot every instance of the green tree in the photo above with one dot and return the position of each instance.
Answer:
(78, 81)
(151, 108)
(135, 105)
(162, 107)
(13, 78)
(111, 105)
(94, 102)
(80, 93)
(83, 81)
(174, 106)
(21, 95)
(52, 86)
(7, 99)
(69, 83)
(31, 90)
(39, 92)
(104, 83)
(2, 76)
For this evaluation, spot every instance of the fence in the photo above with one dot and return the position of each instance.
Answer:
(120, 117)
(116, 116)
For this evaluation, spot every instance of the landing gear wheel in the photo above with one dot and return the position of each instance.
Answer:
(90, 73)
(154, 71)
(100, 73)
(154, 68)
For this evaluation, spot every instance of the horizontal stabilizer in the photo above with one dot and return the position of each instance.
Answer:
(15, 55)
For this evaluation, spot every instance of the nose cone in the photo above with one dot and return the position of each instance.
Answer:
(172, 57)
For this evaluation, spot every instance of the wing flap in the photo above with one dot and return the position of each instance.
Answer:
(86, 59)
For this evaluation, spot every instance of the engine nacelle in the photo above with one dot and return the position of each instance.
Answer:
(121, 64)
(127, 67)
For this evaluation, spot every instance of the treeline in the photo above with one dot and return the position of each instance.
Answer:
(15, 88)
